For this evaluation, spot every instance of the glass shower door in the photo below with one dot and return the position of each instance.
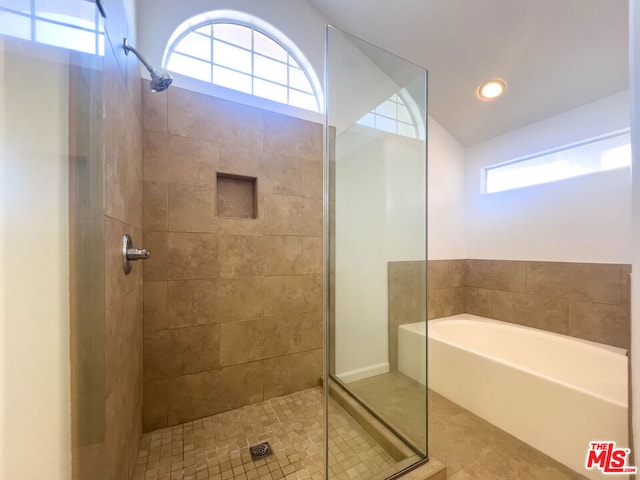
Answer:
(376, 151)
(52, 240)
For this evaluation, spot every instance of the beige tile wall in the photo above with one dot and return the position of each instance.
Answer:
(584, 300)
(407, 299)
(123, 324)
(232, 307)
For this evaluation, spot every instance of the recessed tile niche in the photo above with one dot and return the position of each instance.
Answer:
(237, 196)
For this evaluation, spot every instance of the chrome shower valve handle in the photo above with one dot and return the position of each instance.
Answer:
(131, 254)
(138, 254)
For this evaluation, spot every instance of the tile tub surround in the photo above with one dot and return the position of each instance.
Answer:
(584, 300)
(232, 306)
(407, 302)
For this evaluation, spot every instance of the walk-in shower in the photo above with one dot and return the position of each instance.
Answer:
(278, 330)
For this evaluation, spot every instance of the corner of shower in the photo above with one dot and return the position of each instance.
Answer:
(375, 261)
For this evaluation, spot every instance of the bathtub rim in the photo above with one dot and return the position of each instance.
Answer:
(538, 331)
(607, 349)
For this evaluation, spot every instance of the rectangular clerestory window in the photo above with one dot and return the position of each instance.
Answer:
(598, 154)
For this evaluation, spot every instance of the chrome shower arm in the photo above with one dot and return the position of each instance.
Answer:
(128, 48)
(160, 79)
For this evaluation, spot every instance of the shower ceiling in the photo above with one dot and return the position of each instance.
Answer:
(554, 54)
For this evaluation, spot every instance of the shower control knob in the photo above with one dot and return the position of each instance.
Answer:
(138, 254)
(131, 254)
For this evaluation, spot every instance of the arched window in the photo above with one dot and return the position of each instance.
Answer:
(394, 116)
(243, 53)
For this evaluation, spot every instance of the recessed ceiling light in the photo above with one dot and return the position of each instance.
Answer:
(491, 89)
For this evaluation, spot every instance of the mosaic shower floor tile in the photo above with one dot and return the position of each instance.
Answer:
(217, 447)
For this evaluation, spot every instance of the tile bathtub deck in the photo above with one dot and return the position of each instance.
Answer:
(217, 447)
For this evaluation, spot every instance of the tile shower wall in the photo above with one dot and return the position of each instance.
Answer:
(232, 306)
(123, 214)
(584, 300)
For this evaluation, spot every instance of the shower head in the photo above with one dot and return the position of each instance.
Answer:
(160, 79)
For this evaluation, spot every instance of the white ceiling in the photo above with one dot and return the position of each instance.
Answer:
(554, 54)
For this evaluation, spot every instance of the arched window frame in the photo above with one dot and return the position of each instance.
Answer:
(405, 100)
(258, 25)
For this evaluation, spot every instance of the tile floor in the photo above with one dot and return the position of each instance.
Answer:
(217, 447)
(471, 448)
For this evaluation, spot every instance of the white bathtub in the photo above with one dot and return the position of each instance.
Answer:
(554, 392)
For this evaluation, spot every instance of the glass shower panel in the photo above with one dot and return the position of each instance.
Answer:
(52, 207)
(87, 262)
(376, 153)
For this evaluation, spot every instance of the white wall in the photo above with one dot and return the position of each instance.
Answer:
(446, 195)
(131, 14)
(380, 217)
(360, 303)
(583, 219)
(35, 436)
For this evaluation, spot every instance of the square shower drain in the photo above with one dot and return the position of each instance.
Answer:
(261, 450)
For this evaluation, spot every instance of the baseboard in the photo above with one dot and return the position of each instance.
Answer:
(366, 372)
